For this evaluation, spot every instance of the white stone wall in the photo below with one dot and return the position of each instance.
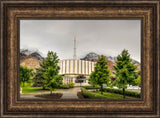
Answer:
(76, 67)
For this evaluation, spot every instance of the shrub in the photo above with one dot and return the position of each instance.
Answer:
(91, 87)
(71, 84)
(67, 86)
(117, 91)
(89, 94)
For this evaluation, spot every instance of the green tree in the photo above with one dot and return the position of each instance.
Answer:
(38, 78)
(101, 73)
(92, 80)
(51, 78)
(25, 74)
(138, 81)
(125, 71)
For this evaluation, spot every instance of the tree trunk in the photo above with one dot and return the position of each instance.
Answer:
(43, 87)
(101, 88)
(51, 92)
(123, 93)
(23, 84)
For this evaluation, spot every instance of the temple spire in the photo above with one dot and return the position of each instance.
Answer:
(74, 56)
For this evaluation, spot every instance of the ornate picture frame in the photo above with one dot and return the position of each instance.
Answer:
(13, 11)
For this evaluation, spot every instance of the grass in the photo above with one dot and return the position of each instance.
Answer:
(29, 89)
(114, 95)
(117, 91)
(105, 95)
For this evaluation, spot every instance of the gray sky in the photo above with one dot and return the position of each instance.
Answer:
(108, 37)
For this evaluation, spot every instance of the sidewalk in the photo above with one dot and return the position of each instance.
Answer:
(67, 94)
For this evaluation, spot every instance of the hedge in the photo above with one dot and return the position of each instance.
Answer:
(67, 86)
(64, 87)
(91, 87)
(89, 94)
(118, 91)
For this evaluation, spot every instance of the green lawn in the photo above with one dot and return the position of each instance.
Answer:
(114, 95)
(105, 95)
(29, 89)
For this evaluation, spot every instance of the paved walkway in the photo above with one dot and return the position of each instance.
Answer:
(33, 95)
(67, 94)
(70, 93)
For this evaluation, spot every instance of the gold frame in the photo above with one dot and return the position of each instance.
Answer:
(13, 11)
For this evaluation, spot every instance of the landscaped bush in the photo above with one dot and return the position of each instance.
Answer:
(67, 86)
(118, 91)
(89, 94)
(91, 87)
(71, 84)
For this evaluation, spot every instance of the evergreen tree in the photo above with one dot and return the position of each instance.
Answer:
(51, 78)
(25, 74)
(38, 78)
(92, 80)
(101, 73)
(125, 71)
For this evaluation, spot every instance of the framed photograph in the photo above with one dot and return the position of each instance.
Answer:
(77, 59)
(80, 58)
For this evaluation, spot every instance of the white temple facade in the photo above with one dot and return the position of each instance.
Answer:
(71, 68)
(76, 67)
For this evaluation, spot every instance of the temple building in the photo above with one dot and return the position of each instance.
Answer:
(70, 69)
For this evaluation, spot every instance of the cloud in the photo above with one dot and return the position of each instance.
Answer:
(108, 37)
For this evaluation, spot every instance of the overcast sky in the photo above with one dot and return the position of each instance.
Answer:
(108, 37)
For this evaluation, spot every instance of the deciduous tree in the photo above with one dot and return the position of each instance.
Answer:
(101, 72)
(138, 81)
(25, 74)
(125, 71)
(51, 78)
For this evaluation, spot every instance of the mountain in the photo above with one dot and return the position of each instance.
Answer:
(22, 55)
(93, 56)
(28, 53)
(90, 56)
(29, 58)
(111, 58)
(30, 62)
(36, 55)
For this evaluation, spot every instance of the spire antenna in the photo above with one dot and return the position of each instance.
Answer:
(74, 56)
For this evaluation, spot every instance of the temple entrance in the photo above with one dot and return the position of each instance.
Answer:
(81, 79)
